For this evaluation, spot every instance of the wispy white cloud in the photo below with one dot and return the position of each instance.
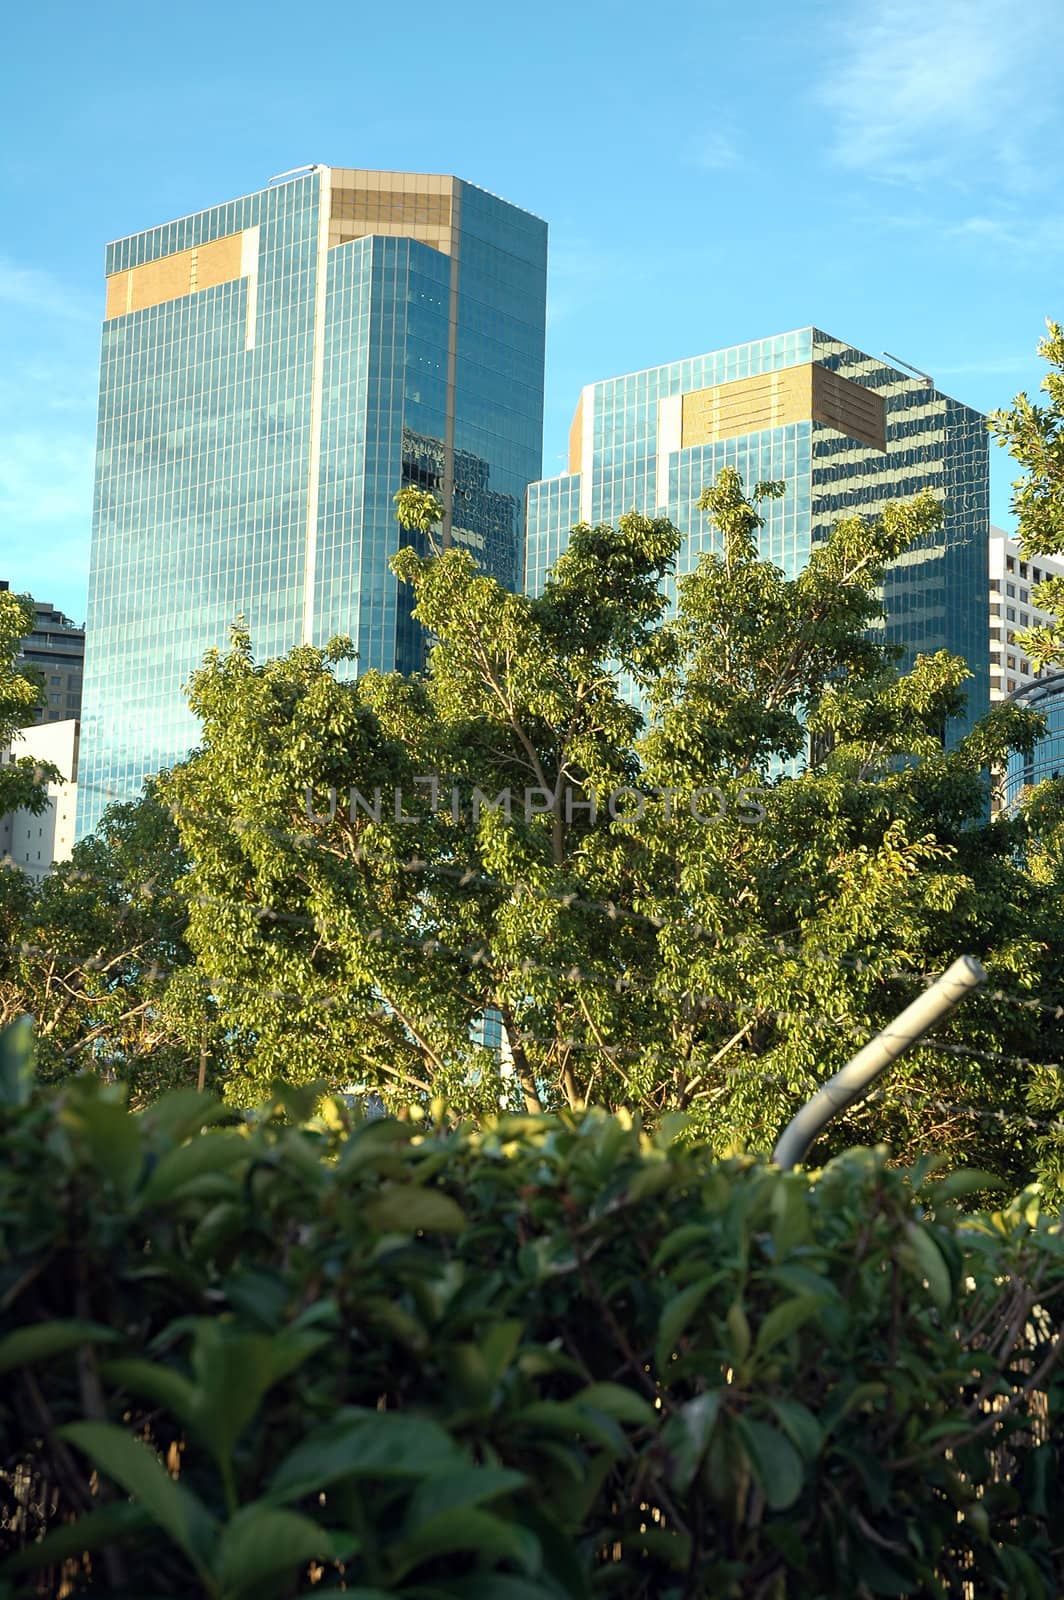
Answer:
(32, 289)
(919, 90)
(715, 151)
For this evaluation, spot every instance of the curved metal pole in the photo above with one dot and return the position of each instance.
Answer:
(858, 1075)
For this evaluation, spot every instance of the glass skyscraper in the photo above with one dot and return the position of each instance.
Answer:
(846, 432)
(1047, 758)
(272, 371)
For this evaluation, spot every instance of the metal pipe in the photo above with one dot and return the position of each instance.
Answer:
(858, 1075)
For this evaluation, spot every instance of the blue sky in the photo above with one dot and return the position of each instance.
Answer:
(711, 173)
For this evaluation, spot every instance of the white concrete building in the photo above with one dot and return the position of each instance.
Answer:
(1011, 610)
(35, 844)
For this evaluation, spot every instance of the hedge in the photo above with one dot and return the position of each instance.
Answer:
(301, 1352)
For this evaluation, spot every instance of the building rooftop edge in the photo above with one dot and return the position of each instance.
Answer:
(299, 175)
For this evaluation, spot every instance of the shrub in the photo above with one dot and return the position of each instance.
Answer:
(556, 1358)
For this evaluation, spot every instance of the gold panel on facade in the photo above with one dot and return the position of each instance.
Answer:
(746, 405)
(423, 213)
(170, 277)
(774, 399)
(217, 262)
(576, 437)
(850, 408)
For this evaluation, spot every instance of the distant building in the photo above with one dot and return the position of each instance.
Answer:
(845, 431)
(1047, 758)
(1012, 577)
(56, 647)
(35, 844)
(273, 370)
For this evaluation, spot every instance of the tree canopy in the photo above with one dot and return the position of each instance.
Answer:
(507, 883)
(22, 780)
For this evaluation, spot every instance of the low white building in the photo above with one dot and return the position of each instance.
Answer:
(1012, 577)
(35, 844)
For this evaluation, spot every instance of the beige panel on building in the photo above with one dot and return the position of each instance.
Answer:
(746, 405)
(217, 262)
(170, 277)
(576, 437)
(404, 205)
(773, 399)
(850, 408)
(118, 285)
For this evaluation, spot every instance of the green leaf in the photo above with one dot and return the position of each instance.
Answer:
(372, 1444)
(614, 1400)
(42, 1340)
(205, 1153)
(110, 1524)
(466, 1486)
(407, 1208)
(17, 1056)
(151, 1379)
(930, 1264)
(137, 1470)
(181, 1114)
(569, 1420)
(686, 1437)
(967, 1180)
(113, 1138)
(262, 1542)
(791, 1223)
(738, 1333)
(233, 1371)
(470, 1530)
(677, 1314)
(775, 1462)
(674, 1243)
(499, 1346)
(486, 1586)
(800, 1426)
(782, 1321)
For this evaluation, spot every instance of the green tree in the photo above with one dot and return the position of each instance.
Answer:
(1034, 435)
(23, 781)
(718, 939)
(96, 953)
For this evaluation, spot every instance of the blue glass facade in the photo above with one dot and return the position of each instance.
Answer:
(1047, 758)
(631, 447)
(272, 371)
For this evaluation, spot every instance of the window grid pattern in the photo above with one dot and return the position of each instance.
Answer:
(200, 498)
(553, 510)
(205, 440)
(935, 596)
(1047, 758)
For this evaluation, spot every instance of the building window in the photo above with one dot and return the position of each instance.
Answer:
(1012, 683)
(1023, 569)
(1010, 562)
(1010, 590)
(1012, 662)
(1010, 612)
(1036, 575)
(1025, 666)
(1023, 596)
(1024, 618)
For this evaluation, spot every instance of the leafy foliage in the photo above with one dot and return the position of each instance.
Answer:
(1034, 435)
(718, 942)
(96, 953)
(551, 1359)
(22, 782)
